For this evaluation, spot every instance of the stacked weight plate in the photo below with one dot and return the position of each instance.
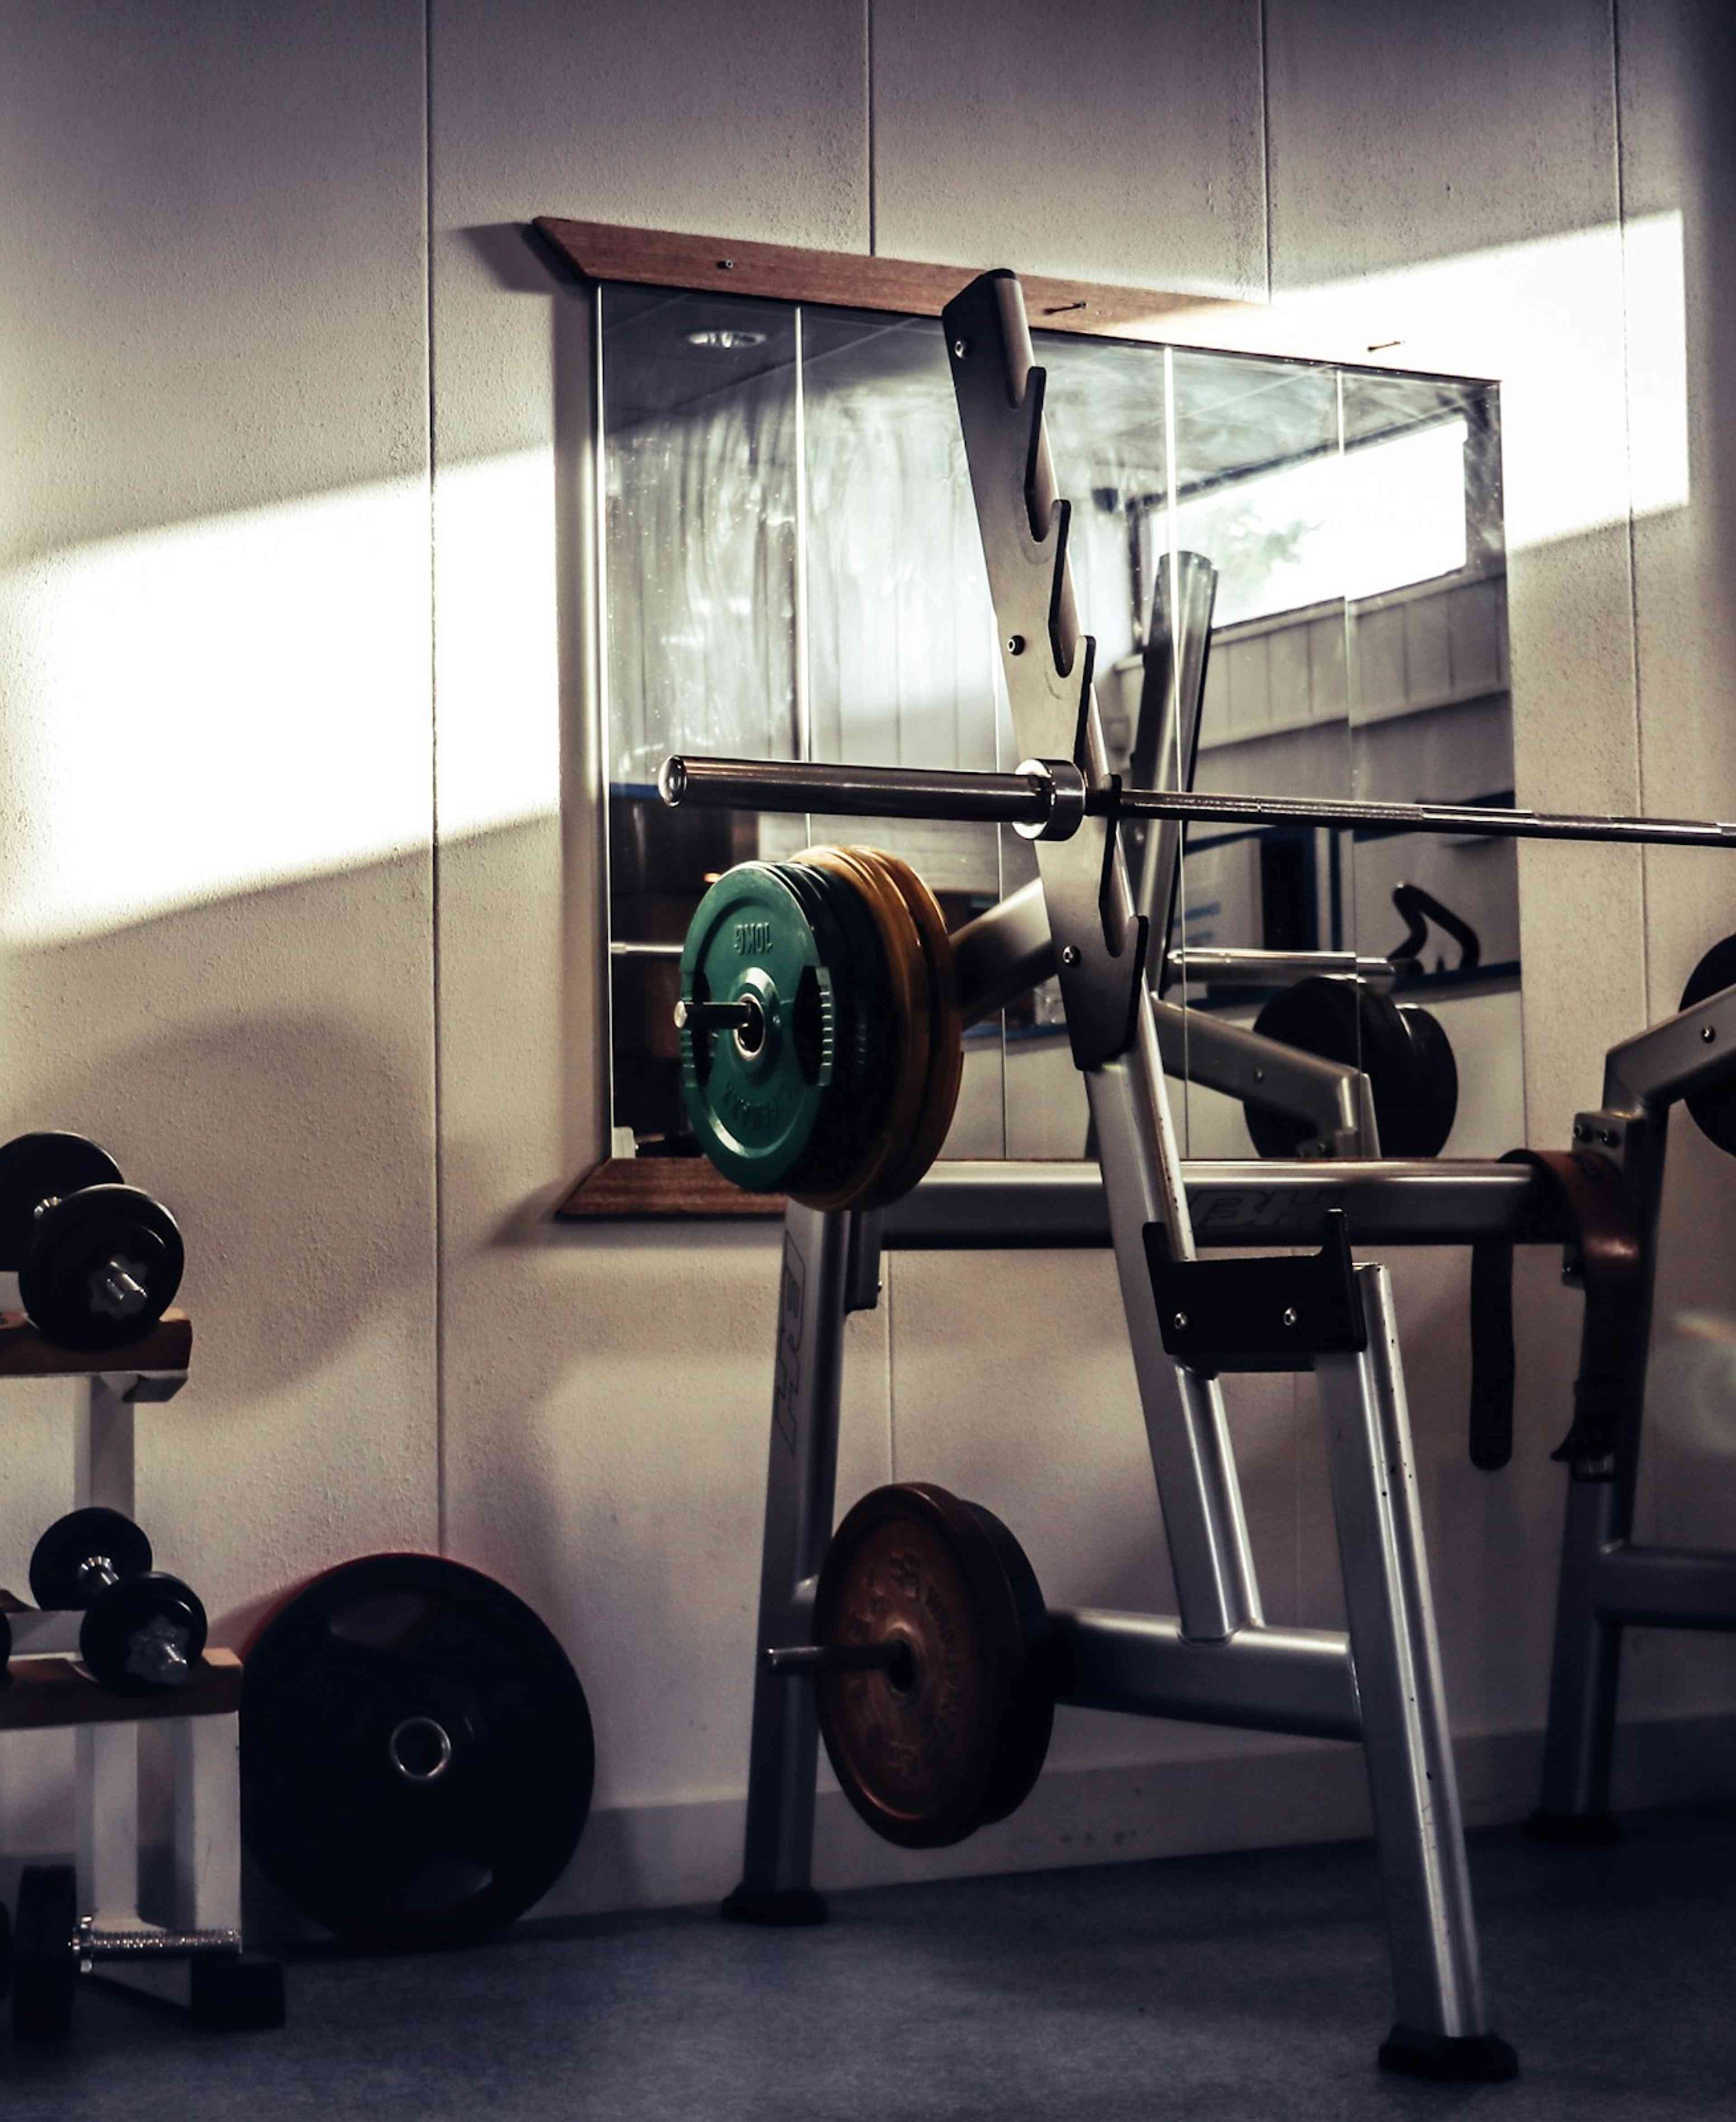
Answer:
(840, 1089)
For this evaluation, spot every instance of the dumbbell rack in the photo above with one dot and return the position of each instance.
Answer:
(48, 1689)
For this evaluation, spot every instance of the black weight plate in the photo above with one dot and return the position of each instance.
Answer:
(861, 997)
(6, 1953)
(44, 1971)
(1714, 1109)
(916, 1756)
(71, 1542)
(64, 1283)
(1433, 1103)
(35, 1168)
(417, 1755)
(1029, 1721)
(1339, 1020)
(126, 1622)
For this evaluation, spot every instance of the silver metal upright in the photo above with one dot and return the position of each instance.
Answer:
(813, 1288)
(1412, 1784)
(1101, 946)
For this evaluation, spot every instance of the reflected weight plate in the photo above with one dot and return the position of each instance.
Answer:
(417, 1755)
(1402, 1049)
(1714, 1109)
(917, 1752)
(945, 1029)
(906, 1029)
(756, 1103)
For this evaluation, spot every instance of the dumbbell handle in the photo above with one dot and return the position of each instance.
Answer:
(809, 1660)
(98, 1573)
(90, 1943)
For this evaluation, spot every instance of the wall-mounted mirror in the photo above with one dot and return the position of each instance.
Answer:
(791, 569)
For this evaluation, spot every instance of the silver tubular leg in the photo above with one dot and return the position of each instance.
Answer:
(1583, 1673)
(777, 1861)
(1411, 1783)
(1216, 1589)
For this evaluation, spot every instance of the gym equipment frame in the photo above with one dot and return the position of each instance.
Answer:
(228, 1988)
(1216, 1660)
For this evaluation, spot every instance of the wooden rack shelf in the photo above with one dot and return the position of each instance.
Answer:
(25, 1354)
(47, 1692)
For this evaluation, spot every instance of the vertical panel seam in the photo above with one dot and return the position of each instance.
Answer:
(434, 997)
(1633, 539)
(1265, 147)
(868, 31)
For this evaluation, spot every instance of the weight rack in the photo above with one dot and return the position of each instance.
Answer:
(1190, 1321)
(48, 1689)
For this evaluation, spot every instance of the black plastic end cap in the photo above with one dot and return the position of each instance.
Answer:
(1450, 2059)
(785, 1911)
(242, 1993)
(1574, 1831)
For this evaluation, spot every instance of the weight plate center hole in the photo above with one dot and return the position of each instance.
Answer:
(750, 1036)
(901, 1674)
(421, 1750)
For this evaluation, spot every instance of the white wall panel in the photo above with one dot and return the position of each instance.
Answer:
(215, 750)
(607, 1394)
(1116, 142)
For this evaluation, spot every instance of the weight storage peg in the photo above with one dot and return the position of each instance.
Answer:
(52, 1945)
(143, 1629)
(98, 1262)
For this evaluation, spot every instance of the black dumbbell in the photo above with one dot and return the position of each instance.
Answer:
(142, 1629)
(52, 1945)
(98, 1262)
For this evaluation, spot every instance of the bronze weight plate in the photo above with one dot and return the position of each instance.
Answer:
(915, 1751)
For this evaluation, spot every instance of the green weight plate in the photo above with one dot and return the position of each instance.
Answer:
(754, 1106)
(835, 1129)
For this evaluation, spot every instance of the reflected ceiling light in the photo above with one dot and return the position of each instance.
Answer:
(726, 339)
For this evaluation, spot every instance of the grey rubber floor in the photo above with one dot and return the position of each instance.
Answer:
(1244, 1986)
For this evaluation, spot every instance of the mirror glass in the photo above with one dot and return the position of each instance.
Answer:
(1294, 574)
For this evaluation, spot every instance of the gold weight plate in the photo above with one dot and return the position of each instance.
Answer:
(909, 1046)
(946, 1031)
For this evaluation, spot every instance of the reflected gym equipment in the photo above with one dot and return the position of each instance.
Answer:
(98, 1262)
(417, 1754)
(142, 1629)
(1400, 1047)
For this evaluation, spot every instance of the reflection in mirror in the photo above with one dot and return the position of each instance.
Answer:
(792, 567)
